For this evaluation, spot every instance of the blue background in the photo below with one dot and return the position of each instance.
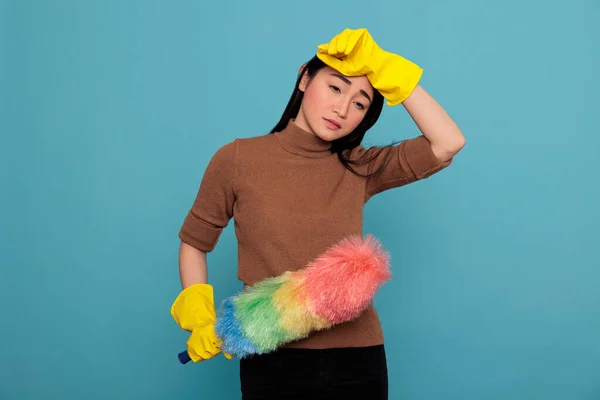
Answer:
(112, 109)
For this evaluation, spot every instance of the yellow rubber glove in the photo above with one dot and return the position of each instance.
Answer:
(194, 311)
(353, 52)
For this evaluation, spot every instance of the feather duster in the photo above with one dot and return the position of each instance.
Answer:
(335, 287)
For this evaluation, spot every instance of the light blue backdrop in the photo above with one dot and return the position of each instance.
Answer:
(112, 109)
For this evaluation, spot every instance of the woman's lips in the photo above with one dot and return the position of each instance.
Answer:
(331, 124)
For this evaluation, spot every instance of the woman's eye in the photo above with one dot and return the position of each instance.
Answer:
(360, 106)
(335, 88)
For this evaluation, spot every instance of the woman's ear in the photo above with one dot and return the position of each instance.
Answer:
(304, 81)
(301, 70)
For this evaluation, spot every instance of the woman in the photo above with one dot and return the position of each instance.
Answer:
(297, 191)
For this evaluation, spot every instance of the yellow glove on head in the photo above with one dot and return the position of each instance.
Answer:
(353, 52)
(194, 311)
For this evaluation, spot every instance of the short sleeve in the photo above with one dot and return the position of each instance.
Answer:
(213, 206)
(409, 161)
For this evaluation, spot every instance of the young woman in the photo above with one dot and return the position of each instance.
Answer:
(300, 189)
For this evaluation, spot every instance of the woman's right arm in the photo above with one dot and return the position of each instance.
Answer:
(192, 266)
(209, 215)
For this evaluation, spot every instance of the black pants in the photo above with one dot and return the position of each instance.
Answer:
(289, 374)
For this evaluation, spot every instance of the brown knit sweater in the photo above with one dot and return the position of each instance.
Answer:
(290, 199)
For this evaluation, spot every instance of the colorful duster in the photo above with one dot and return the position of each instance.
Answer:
(334, 288)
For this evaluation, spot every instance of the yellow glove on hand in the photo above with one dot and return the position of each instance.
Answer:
(194, 311)
(353, 52)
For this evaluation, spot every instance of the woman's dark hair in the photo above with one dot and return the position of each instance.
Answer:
(348, 142)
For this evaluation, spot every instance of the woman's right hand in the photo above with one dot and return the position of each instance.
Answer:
(194, 311)
(204, 344)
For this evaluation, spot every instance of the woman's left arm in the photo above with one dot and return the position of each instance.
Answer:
(436, 125)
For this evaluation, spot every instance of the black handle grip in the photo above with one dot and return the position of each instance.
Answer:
(184, 357)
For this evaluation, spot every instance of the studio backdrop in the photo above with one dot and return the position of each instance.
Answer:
(111, 110)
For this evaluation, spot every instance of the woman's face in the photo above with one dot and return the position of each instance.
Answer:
(333, 104)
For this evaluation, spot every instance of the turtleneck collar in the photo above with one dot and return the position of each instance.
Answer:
(301, 142)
